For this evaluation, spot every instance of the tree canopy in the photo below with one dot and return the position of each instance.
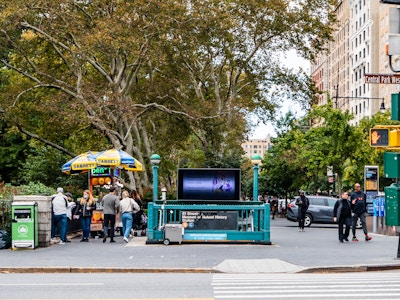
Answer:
(144, 76)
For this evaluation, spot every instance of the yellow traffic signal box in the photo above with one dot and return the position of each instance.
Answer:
(394, 138)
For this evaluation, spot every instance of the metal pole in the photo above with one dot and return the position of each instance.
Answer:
(155, 183)
(398, 248)
(255, 183)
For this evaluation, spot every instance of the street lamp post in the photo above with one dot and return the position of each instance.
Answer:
(155, 160)
(255, 160)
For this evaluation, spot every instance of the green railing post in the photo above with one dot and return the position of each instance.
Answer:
(151, 224)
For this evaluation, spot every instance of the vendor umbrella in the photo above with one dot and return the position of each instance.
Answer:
(137, 166)
(81, 163)
(114, 158)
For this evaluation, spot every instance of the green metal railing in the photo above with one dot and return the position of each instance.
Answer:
(240, 222)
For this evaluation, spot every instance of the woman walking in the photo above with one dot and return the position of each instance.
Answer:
(84, 210)
(127, 207)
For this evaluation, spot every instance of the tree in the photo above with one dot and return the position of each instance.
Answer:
(145, 75)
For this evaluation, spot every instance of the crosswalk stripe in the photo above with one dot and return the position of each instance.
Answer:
(369, 285)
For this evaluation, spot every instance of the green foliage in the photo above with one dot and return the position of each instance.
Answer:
(35, 188)
(301, 153)
(150, 75)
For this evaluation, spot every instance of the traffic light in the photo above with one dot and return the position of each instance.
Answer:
(379, 137)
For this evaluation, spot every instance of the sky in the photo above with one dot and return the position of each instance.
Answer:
(262, 130)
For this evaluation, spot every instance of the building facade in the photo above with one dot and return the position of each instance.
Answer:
(358, 49)
(257, 146)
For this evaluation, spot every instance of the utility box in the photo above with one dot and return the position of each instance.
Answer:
(173, 233)
(392, 197)
(24, 227)
(391, 162)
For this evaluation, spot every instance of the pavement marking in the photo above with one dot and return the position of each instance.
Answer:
(257, 266)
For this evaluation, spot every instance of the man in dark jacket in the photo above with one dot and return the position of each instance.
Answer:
(303, 203)
(359, 208)
(342, 215)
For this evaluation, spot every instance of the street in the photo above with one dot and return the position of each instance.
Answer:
(367, 285)
(296, 265)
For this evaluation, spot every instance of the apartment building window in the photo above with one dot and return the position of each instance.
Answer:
(364, 105)
(356, 109)
(255, 147)
(360, 107)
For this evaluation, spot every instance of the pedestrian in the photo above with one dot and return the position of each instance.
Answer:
(136, 215)
(274, 206)
(342, 215)
(127, 207)
(359, 209)
(303, 203)
(110, 205)
(59, 204)
(71, 207)
(84, 211)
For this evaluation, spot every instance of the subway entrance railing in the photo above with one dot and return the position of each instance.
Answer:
(237, 222)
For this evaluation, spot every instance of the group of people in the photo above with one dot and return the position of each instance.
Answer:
(273, 202)
(346, 213)
(63, 207)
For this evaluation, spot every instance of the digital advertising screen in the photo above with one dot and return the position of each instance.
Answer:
(209, 184)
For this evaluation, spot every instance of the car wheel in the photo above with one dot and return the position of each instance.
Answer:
(307, 220)
(358, 224)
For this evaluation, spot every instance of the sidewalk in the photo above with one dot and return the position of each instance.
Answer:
(315, 250)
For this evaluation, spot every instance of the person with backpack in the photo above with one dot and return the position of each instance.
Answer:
(302, 203)
(59, 216)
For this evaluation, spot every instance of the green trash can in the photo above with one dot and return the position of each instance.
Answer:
(392, 199)
(24, 227)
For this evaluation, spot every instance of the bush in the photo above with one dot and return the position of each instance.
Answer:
(7, 192)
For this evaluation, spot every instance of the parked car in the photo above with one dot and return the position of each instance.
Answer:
(319, 211)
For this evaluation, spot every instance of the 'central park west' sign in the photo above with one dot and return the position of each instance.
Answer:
(382, 78)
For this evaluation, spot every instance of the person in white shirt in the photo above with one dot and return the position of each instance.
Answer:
(59, 208)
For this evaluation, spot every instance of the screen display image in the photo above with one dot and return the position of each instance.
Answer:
(209, 184)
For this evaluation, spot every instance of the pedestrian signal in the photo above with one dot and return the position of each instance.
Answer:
(379, 137)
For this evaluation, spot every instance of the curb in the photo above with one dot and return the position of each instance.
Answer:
(316, 270)
(9, 270)
(345, 269)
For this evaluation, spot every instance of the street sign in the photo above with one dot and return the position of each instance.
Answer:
(382, 78)
(379, 137)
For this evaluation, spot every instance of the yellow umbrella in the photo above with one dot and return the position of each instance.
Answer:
(81, 163)
(138, 166)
